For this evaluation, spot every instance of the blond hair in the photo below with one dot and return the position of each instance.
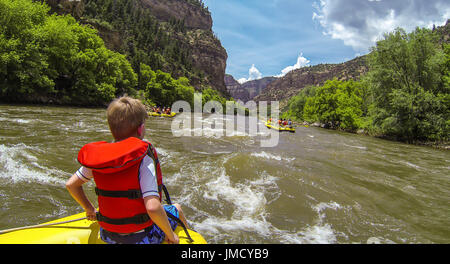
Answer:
(125, 115)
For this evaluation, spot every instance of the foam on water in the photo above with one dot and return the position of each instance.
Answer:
(249, 199)
(163, 153)
(266, 155)
(411, 165)
(352, 146)
(18, 165)
(230, 199)
(216, 225)
(319, 233)
(16, 120)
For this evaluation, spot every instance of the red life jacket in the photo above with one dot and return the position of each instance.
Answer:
(115, 167)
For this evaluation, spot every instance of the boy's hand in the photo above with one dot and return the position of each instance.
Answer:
(157, 213)
(175, 240)
(74, 186)
(91, 214)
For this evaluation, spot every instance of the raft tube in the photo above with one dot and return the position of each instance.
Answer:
(172, 114)
(76, 230)
(281, 129)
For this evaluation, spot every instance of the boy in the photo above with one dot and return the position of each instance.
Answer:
(128, 181)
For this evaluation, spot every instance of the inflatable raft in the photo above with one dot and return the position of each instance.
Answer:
(281, 129)
(172, 114)
(75, 229)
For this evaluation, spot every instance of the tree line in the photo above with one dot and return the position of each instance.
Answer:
(46, 56)
(145, 38)
(50, 58)
(405, 95)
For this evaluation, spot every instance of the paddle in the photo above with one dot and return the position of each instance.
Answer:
(40, 226)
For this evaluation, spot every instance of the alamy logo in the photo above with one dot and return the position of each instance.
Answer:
(211, 120)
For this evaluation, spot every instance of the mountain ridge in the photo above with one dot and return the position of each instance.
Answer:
(248, 90)
(174, 36)
(283, 88)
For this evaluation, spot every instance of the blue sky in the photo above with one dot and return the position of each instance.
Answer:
(270, 37)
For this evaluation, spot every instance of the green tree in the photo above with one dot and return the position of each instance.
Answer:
(336, 103)
(297, 103)
(51, 56)
(22, 65)
(185, 91)
(210, 94)
(409, 91)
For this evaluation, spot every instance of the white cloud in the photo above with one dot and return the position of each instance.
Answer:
(360, 24)
(301, 62)
(253, 74)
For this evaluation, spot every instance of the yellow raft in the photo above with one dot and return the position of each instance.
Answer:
(281, 129)
(172, 114)
(76, 229)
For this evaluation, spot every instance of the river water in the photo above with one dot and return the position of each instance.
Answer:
(314, 186)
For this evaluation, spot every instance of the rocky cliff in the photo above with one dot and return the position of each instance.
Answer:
(256, 87)
(235, 89)
(289, 85)
(248, 90)
(443, 32)
(174, 36)
(193, 16)
(284, 88)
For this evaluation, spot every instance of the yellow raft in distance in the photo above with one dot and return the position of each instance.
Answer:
(281, 129)
(76, 230)
(172, 114)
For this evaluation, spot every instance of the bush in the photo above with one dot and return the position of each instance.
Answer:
(51, 56)
(336, 103)
(408, 82)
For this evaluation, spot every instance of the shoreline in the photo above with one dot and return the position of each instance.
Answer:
(435, 145)
(54, 104)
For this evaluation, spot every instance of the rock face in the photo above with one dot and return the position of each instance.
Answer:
(207, 53)
(235, 89)
(248, 90)
(194, 17)
(443, 32)
(255, 87)
(284, 88)
(207, 58)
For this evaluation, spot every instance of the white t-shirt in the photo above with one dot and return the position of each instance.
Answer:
(147, 177)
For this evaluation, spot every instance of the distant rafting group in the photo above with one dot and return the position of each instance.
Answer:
(282, 122)
(280, 125)
(161, 111)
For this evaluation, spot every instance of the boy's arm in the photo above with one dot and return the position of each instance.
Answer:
(159, 217)
(74, 186)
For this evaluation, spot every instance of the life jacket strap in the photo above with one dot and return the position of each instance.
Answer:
(137, 219)
(130, 194)
(178, 220)
(151, 154)
(162, 187)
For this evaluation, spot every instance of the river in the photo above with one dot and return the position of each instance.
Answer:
(315, 186)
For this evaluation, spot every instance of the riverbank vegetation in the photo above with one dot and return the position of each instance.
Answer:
(405, 95)
(48, 58)
(146, 39)
(163, 90)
